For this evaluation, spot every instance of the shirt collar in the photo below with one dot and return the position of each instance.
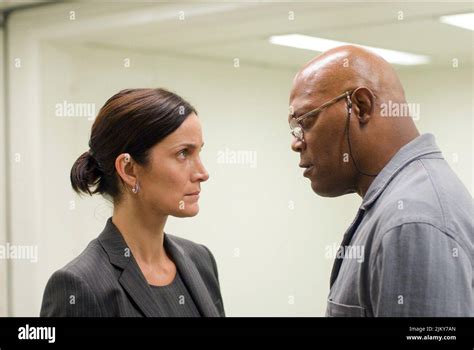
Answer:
(417, 148)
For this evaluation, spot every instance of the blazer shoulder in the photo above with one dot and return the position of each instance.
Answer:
(70, 290)
(89, 267)
(76, 288)
(91, 260)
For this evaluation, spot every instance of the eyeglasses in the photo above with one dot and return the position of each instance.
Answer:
(296, 128)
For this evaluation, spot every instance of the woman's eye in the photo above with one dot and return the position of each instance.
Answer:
(183, 154)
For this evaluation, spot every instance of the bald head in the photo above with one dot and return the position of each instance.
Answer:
(347, 67)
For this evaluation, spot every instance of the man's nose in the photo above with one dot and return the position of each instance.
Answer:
(297, 145)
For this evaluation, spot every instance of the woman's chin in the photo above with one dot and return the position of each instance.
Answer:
(190, 211)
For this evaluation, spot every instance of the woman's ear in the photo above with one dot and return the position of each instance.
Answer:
(126, 169)
(363, 103)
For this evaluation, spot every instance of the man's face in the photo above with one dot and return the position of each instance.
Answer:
(324, 151)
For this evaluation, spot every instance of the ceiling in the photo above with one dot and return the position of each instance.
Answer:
(9, 5)
(224, 30)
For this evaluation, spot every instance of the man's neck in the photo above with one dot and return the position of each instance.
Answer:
(364, 184)
(381, 159)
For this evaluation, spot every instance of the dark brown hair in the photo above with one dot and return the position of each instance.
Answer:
(132, 121)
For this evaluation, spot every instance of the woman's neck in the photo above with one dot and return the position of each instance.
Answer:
(143, 232)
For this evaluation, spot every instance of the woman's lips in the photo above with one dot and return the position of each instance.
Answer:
(194, 195)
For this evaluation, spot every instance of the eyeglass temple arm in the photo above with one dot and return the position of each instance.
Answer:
(345, 94)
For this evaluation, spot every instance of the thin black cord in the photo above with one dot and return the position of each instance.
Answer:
(349, 112)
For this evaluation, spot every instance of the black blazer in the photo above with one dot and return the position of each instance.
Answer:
(105, 280)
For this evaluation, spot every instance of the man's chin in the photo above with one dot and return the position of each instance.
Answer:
(325, 190)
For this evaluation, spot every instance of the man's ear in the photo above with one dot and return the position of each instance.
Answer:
(363, 104)
(126, 169)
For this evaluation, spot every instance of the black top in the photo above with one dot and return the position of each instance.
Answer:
(175, 298)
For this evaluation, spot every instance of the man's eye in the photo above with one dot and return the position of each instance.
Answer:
(305, 123)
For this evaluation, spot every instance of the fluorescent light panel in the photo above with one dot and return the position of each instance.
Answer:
(462, 20)
(319, 44)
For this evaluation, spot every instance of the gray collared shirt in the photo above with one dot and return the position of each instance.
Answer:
(409, 251)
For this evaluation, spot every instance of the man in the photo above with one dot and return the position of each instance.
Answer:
(414, 225)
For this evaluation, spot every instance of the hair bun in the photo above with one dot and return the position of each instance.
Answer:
(85, 173)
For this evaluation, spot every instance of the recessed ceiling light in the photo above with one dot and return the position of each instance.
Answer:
(462, 20)
(319, 44)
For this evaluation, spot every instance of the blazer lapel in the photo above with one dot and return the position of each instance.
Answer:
(131, 278)
(192, 278)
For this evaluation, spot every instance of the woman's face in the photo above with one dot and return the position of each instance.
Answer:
(171, 182)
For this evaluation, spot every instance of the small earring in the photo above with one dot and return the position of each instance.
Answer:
(136, 188)
(127, 157)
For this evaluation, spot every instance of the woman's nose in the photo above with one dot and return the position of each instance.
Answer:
(201, 173)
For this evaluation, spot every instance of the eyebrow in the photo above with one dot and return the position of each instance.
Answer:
(292, 112)
(305, 110)
(298, 113)
(302, 110)
(189, 145)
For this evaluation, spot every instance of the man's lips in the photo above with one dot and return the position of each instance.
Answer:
(307, 171)
(307, 167)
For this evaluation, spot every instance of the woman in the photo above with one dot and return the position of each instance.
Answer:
(144, 156)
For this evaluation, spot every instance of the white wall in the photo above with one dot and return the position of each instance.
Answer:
(267, 229)
(3, 198)
(24, 165)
